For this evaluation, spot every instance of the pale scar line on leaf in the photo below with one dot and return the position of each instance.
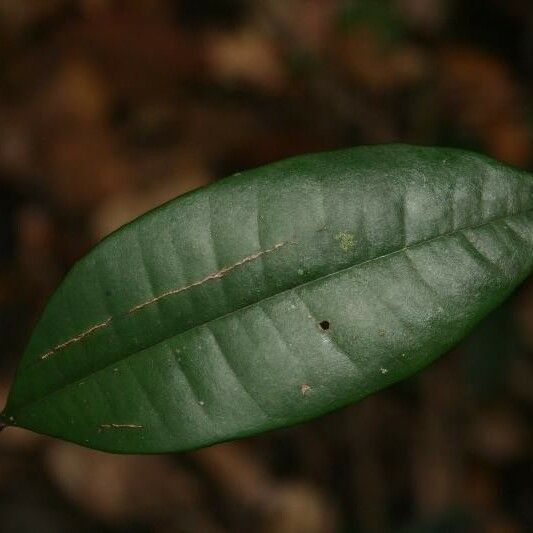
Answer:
(76, 338)
(214, 275)
(121, 426)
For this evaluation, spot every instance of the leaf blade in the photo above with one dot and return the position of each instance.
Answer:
(354, 210)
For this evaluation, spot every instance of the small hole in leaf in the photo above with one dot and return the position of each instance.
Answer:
(324, 325)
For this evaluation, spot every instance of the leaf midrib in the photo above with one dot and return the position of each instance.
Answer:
(421, 243)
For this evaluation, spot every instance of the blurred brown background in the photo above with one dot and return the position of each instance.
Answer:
(109, 108)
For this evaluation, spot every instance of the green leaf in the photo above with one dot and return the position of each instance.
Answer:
(274, 296)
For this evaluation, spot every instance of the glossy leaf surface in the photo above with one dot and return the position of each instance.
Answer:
(274, 296)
